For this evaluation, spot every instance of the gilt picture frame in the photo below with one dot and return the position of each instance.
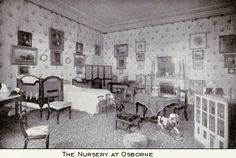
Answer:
(56, 58)
(198, 54)
(198, 40)
(56, 39)
(121, 63)
(79, 60)
(24, 38)
(227, 44)
(22, 55)
(97, 50)
(23, 70)
(230, 60)
(140, 46)
(121, 50)
(79, 48)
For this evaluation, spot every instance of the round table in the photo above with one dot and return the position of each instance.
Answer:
(135, 140)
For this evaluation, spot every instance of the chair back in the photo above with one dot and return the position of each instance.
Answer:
(23, 123)
(118, 103)
(183, 97)
(97, 83)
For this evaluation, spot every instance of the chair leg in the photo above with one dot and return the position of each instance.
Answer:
(26, 143)
(41, 113)
(70, 112)
(47, 142)
(185, 113)
(48, 114)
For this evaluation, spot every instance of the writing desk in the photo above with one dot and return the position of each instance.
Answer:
(5, 99)
(153, 103)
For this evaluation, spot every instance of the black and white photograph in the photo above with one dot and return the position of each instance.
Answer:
(95, 76)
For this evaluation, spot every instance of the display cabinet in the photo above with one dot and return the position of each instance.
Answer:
(215, 121)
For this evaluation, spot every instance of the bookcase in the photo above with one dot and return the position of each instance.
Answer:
(215, 121)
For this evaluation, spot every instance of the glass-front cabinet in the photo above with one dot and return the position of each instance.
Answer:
(215, 121)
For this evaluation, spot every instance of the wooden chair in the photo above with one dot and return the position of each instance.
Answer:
(97, 83)
(53, 94)
(33, 133)
(182, 105)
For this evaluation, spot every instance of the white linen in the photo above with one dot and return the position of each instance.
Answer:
(84, 99)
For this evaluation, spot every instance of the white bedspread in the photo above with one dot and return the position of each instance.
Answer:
(84, 99)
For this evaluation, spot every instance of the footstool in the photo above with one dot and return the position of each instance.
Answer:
(135, 140)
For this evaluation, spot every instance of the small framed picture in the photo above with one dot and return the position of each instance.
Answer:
(198, 40)
(23, 70)
(230, 60)
(79, 48)
(231, 71)
(79, 70)
(22, 55)
(56, 58)
(79, 60)
(198, 54)
(97, 50)
(24, 38)
(140, 46)
(228, 44)
(56, 39)
(121, 63)
(197, 64)
(140, 56)
(121, 50)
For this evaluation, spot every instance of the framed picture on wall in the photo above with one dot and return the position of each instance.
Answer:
(230, 60)
(97, 50)
(79, 70)
(197, 64)
(140, 56)
(24, 38)
(121, 63)
(198, 40)
(79, 60)
(121, 50)
(56, 58)
(140, 46)
(228, 44)
(56, 39)
(198, 54)
(24, 55)
(79, 48)
(23, 70)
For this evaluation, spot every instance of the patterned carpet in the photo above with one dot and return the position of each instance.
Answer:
(86, 131)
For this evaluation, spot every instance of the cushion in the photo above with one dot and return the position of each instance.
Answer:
(127, 117)
(38, 130)
(57, 105)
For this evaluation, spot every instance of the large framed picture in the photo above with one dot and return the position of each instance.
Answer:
(79, 48)
(198, 54)
(230, 60)
(197, 64)
(56, 40)
(24, 38)
(56, 58)
(79, 60)
(198, 41)
(228, 44)
(97, 50)
(24, 55)
(121, 50)
(121, 63)
(140, 46)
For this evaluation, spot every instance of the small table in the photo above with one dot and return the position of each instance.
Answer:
(117, 85)
(153, 103)
(5, 99)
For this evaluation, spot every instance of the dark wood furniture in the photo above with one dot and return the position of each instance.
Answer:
(32, 92)
(81, 82)
(53, 96)
(33, 133)
(97, 83)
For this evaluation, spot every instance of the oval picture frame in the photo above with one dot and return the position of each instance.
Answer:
(44, 57)
(68, 60)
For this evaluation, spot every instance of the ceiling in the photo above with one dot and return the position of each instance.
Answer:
(115, 15)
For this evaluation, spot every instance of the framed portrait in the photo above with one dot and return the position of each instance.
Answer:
(198, 41)
(22, 55)
(121, 50)
(230, 60)
(198, 54)
(79, 48)
(228, 44)
(24, 38)
(56, 40)
(121, 63)
(231, 71)
(140, 56)
(97, 50)
(23, 70)
(197, 64)
(79, 60)
(79, 70)
(56, 58)
(140, 46)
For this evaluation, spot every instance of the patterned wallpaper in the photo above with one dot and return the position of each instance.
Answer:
(174, 40)
(31, 18)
